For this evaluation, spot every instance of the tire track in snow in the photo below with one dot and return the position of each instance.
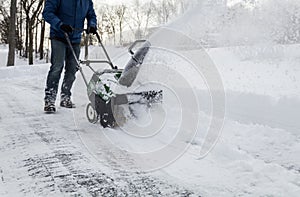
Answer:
(2, 183)
(1, 173)
(100, 183)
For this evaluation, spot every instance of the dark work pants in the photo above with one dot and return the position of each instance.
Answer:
(61, 57)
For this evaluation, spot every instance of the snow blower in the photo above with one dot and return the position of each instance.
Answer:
(104, 102)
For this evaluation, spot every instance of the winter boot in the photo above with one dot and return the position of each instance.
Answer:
(67, 103)
(49, 107)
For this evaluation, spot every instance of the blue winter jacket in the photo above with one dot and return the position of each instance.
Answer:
(69, 12)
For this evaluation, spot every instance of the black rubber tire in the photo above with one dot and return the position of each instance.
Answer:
(91, 114)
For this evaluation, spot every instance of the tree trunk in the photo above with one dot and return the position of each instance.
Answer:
(21, 30)
(30, 47)
(114, 34)
(36, 38)
(42, 38)
(12, 34)
(121, 32)
(27, 37)
(32, 12)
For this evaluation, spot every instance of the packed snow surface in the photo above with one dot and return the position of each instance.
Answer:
(257, 153)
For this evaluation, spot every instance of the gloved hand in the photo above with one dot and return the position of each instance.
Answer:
(66, 28)
(92, 30)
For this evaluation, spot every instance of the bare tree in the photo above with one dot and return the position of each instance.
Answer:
(120, 12)
(12, 33)
(165, 10)
(4, 22)
(111, 21)
(148, 11)
(139, 17)
(42, 39)
(101, 24)
(20, 29)
(110, 17)
(182, 6)
(36, 29)
(32, 9)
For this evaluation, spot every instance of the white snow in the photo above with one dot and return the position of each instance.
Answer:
(257, 150)
(3, 57)
(256, 155)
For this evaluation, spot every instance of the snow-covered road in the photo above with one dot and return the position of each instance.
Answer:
(43, 155)
(256, 155)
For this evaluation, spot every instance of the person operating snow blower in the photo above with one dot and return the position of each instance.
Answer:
(65, 16)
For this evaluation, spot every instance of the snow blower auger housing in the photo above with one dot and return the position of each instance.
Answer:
(101, 88)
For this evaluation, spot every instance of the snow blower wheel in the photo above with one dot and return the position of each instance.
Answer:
(91, 114)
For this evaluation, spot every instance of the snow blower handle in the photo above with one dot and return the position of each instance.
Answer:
(105, 52)
(75, 57)
(72, 50)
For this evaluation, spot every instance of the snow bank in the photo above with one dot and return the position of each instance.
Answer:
(267, 71)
